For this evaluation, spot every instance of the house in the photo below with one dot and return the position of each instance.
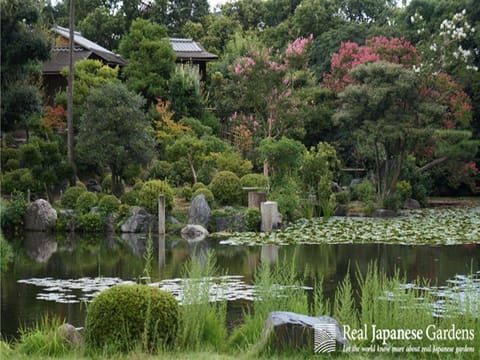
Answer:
(186, 50)
(53, 80)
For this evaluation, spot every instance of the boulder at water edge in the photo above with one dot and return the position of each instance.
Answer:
(138, 222)
(194, 233)
(411, 204)
(40, 216)
(290, 331)
(199, 212)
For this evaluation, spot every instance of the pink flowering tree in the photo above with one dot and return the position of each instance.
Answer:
(433, 102)
(265, 88)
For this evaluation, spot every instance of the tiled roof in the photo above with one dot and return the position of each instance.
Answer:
(188, 49)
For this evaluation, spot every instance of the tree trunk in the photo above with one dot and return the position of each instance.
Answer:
(194, 173)
(70, 146)
(432, 164)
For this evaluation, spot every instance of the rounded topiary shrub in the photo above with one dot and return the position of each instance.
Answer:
(254, 180)
(208, 195)
(122, 315)
(109, 204)
(148, 196)
(69, 198)
(85, 202)
(130, 198)
(226, 188)
(91, 222)
(198, 185)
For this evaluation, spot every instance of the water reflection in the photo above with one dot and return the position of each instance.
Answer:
(75, 257)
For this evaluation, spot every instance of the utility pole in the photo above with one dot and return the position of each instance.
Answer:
(71, 76)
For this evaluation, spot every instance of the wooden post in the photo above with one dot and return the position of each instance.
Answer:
(269, 212)
(161, 215)
(255, 198)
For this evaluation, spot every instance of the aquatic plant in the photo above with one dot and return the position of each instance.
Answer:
(426, 226)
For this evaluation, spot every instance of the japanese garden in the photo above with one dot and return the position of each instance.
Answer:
(246, 179)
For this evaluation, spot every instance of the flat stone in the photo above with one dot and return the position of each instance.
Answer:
(290, 331)
(194, 232)
(384, 213)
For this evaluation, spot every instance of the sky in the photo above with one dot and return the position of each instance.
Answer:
(215, 3)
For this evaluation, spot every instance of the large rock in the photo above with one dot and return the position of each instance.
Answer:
(411, 204)
(40, 216)
(138, 222)
(194, 232)
(199, 212)
(93, 186)
(290, 331)
(70, 335)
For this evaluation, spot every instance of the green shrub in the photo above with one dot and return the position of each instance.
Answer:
(20, 180)
(130, 198)
(124, 211)
(148, 196)
(232, 161)
(138, 185)
(81, 184)
(365, 191)
(392, 202)
(208, 195)
(404, 190)
(253, 219)
(85, 202)
(9, 154)
(286, 194)
(12, 164)
(91, 222)
(69, 198)
(198, 185)
(226, 188)
(126, 315)
(132, 173)
(370, 208)
(159, 170)
(254, 180)
(343, 197)
(13, 211)
(109, 204)
(187, 192)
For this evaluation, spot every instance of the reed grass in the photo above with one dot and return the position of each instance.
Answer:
(202, 322)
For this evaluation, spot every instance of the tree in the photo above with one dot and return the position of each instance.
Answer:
(151, 59)
(103, 28)
(383, 106)
(190, 148)
(114, 131)
(23, 46)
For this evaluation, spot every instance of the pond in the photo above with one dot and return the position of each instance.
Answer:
(56, 274)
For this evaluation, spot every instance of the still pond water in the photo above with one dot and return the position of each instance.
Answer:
(56, 275)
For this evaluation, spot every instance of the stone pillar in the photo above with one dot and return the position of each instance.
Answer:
(161, 215)
(255, 198)
(269, 212)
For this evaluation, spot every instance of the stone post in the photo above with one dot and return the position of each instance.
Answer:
(161, 215)
(269, 212)
(255, 198)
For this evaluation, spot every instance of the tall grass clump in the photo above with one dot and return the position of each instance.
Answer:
(202, 322)
(277, 288)
(44, 339)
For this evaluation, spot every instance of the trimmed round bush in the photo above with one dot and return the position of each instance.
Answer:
(123, 314)
(226, 188)
(365, 191)
(81, 184)
(208, 195)
(148, 196)
(109, 204)
(254, 180)
(69, 198)
(91, 222)
(85, 202)
(130, 198)
(186, 192)
(198, 185)
(159, 170)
